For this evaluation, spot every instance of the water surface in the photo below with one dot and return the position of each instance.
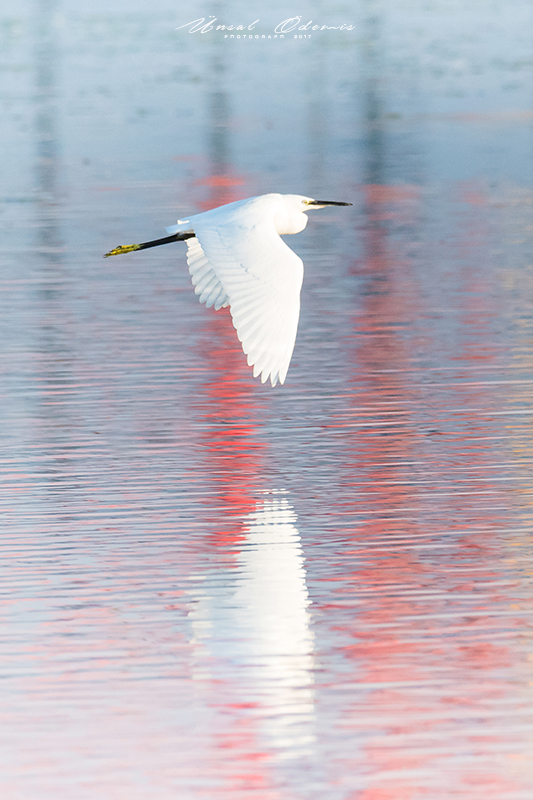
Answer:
(216, 589)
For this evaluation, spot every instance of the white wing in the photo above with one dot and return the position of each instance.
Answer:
(243, 262)
(204, 278)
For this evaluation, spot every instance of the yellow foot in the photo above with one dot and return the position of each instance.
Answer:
(123, 248)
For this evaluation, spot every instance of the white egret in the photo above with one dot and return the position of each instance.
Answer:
(237, 259)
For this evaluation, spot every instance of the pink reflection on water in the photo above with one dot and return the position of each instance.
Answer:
(251, 628)
(424, 632)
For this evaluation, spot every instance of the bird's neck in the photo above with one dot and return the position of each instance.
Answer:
(287, 221)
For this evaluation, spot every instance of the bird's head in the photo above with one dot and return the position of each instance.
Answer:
(291, 218)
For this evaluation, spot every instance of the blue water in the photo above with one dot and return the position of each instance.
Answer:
(216, 589)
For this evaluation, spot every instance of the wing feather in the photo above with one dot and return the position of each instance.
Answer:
(206, 282)
(244, 263)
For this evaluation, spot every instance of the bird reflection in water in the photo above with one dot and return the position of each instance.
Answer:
(251, 627)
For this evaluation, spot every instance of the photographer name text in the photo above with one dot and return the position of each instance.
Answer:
(204, 25)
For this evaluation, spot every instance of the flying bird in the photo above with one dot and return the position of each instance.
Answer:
(236, 258)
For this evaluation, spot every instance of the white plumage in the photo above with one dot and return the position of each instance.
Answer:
(236, 258)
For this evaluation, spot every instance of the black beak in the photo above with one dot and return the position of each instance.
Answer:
(327, 203)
